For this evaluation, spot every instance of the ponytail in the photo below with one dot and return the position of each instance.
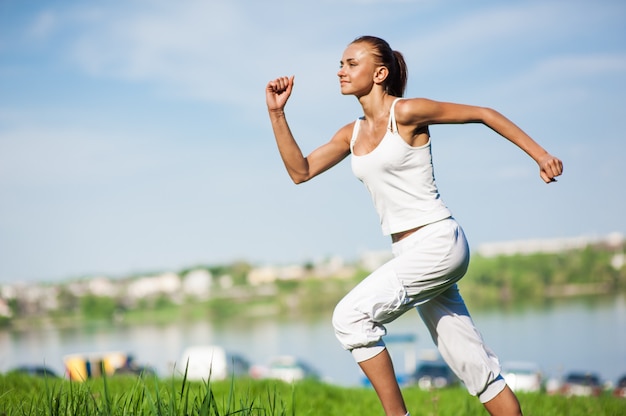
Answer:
(398, 76)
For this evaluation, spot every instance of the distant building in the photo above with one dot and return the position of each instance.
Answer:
(260, 275)
(102, 286)
(372, 260)
(5, 310)
(166, 284)
(268, 274)
(334, 267)
(198, 283)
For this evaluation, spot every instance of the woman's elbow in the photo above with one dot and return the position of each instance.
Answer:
(299, 176)
(299, 179)
(489, 115)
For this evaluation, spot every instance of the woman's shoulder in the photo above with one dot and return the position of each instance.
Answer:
(410, 103)
(408, 110)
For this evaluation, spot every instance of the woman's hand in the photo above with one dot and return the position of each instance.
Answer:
(277, 93)
(549, 168)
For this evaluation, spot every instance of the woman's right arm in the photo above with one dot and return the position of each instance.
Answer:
(301, 168)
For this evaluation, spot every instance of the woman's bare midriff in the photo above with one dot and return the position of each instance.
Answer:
(403, 234)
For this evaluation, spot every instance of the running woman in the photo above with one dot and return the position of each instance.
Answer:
(390, 146)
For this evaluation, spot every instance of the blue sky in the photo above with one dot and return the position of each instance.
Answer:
(134, 135)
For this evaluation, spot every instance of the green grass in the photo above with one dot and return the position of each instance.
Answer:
(24, 395)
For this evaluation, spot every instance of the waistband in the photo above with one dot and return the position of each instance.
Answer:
(409, 241)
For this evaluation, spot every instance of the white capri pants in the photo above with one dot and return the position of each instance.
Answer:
(423, 274)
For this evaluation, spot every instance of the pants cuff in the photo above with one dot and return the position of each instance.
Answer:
(492, 390)
(365, 353)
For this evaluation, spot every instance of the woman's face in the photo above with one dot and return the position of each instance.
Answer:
(357, 70)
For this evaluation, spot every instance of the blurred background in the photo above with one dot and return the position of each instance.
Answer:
(134, 144)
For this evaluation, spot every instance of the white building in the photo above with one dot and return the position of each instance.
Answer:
(198, 283)
(553, 245)
(166, 283)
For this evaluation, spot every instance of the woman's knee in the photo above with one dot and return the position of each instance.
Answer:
(353, 328)
(339, 317)
(341, 322)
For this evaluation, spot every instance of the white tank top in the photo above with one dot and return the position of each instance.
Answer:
(400, 179)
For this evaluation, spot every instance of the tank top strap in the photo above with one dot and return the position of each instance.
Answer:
(355, 132)
(393, 126)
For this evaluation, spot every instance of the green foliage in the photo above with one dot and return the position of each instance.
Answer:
(223, 308)
(95, 307)
(68, 301)
(238, 271)
(537, 277)
(29, 396)
(309, 296)
(163, 302)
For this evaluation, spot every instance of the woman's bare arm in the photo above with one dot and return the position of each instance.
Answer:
(301, 168)
(421, 112)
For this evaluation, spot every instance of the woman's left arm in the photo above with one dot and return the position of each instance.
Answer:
(421, 112)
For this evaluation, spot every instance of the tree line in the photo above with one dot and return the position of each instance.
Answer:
(490, 281)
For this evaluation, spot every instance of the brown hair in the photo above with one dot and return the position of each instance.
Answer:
(395, 83)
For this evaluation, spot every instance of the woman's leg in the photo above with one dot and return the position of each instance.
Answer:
(504, 404)
(425, 264)
(462, 347)
(358, 320)
(379, 371)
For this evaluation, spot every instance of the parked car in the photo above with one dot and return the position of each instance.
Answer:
(581, 384)
(131, 368)
(434, 375)
(286, 368)
(620, 388)
(522, 376)
(83, 366)
(35, 370)
(204, 362)
(553, 385)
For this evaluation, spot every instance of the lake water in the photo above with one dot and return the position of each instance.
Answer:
(579, 335)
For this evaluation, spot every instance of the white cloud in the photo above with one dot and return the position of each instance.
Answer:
(215, 51)
(45, 24)
(503, 32)
(148, 43)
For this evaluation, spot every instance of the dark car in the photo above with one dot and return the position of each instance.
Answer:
(434, 375)
(131, 368)
(135, 370)
(35, 370)
(620, 388)
(581, 384)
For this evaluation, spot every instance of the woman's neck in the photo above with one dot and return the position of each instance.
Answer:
(375, 105)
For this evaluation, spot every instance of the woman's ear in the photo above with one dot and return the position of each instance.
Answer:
(381, 74)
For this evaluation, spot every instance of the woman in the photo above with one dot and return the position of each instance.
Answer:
(390, 147)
